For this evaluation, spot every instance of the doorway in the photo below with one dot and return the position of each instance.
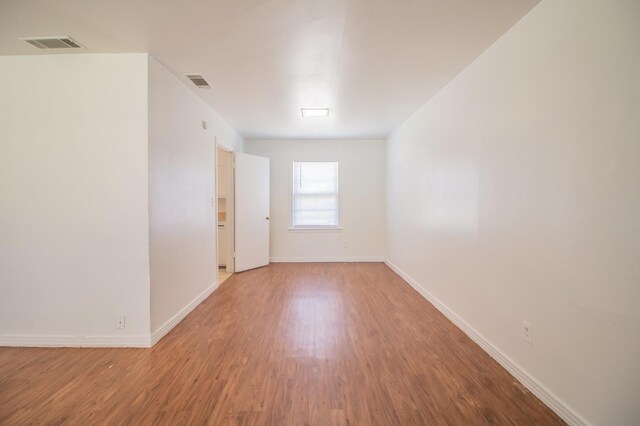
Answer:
(224, 213)
(242, 212)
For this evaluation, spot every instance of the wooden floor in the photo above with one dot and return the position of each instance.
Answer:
(223, 275)
(288, 344)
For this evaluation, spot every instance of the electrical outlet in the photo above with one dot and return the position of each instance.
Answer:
(121, 322)
(527, 332)
(345, 245)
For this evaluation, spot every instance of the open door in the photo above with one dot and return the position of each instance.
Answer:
(251, 211)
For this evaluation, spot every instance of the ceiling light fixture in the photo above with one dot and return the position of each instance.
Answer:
(315, 112)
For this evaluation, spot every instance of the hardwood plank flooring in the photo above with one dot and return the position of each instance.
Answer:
(287, 344)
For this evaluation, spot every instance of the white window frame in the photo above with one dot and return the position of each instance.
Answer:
(292, 198)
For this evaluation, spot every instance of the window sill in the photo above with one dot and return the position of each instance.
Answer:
(315, 229)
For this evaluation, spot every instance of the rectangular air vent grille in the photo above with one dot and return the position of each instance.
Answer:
(198, 80)
(63, 42)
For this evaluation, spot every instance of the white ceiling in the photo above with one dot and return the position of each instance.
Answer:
(372, 62)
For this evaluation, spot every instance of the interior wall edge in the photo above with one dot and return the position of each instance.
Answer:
(234, 141)
(165, 328)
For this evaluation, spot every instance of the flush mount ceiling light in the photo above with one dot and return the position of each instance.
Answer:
(315, 112)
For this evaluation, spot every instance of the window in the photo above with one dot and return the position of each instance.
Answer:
(315, 195)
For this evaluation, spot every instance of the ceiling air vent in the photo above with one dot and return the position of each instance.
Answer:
(198, 80)
(62, 42)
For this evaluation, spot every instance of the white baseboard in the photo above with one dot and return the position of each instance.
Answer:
(71, 341)
(324, 259)
(536, 388)
(175, 320)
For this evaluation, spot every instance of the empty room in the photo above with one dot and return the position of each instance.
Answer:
(320, 212)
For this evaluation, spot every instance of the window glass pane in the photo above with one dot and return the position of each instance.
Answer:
(316, 202)
(314, 178)
(315, 194)
(315, 218)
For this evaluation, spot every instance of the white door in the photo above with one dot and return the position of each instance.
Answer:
(252, 211)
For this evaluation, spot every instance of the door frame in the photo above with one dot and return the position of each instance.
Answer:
(230, 212)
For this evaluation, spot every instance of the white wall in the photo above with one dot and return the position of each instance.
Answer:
(226, 135)
(362, 185)
(181, 190)
(514, 195)
(73, 188)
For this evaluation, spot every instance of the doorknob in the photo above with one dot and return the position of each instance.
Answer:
(267, 217)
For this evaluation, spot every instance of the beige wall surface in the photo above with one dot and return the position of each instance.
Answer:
(361, 186)
(74, 247)
(514, 195)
